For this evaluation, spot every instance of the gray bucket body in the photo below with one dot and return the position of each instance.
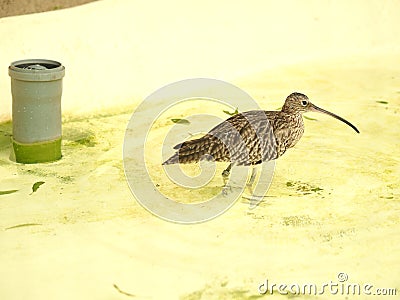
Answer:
(36, 86)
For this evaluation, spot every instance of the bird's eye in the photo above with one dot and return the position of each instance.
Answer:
(304, 102)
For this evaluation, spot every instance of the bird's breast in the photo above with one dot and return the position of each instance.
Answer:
(288, 132)
(296, 130)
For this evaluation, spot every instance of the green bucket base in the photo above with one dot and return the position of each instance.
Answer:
(37, 152)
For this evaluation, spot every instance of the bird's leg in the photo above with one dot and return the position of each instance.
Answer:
(226, 173)
(225, 177)
(252, 178)
(254, 199)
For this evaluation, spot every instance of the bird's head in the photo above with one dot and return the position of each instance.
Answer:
(297, 103)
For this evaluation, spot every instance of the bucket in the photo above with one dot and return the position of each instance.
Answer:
(36, 87)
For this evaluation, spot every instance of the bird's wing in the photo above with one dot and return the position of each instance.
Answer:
(247, 138)
(244, 139)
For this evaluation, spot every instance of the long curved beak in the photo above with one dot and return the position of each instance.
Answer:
(317, 109)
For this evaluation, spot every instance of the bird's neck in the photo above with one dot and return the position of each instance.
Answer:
(295, 127)
(295, 118)
(298, 117)
(293, 113)
(288, 109)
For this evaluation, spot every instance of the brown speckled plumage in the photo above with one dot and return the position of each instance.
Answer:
(251, 137)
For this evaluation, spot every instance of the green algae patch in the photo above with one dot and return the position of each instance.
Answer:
(180, 121)
(231, 113)
(37, 152)
(87, 141)
(8, 192)
(23, 225)
(36, 186)
(303, 187)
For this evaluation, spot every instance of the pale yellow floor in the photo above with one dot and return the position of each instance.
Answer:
(334, 202)
(92, 234)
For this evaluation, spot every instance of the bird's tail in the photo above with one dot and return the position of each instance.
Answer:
(190, 151)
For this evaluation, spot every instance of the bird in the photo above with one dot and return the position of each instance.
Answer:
(252, 137)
